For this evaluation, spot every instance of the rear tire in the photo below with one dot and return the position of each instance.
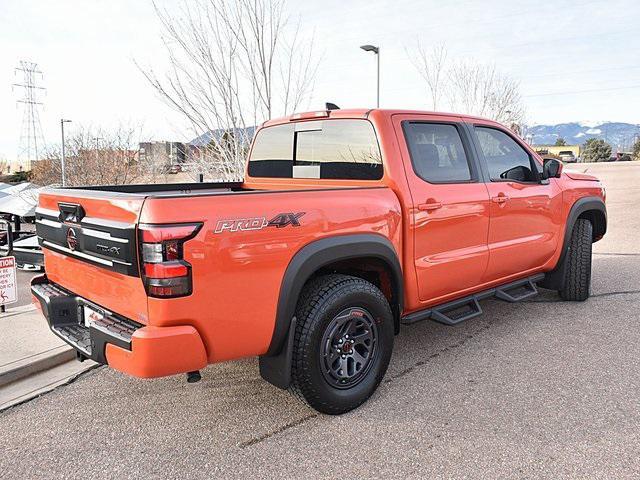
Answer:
(577, 281)
(343, 343)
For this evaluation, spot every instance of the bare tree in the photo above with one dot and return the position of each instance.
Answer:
(478, 89)
(112, 162)
(5, 166)
(469, 87)
(431, 65)
(232, 65)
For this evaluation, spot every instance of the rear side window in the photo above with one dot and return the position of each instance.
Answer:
(437, 153)
(330, 149)
(505, 158)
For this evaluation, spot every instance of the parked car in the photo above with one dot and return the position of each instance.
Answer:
(567, 156)
(620, 157)
(349, 224)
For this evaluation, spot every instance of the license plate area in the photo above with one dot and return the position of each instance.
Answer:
(91, 315)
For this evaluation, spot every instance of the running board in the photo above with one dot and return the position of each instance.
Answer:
(457, 311)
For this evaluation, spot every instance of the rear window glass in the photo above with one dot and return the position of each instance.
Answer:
(330, 149)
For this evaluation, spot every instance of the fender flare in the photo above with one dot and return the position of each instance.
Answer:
(554, 280)
(275, 364)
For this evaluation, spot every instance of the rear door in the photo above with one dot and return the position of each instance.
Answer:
(526, 212)
(450, 211)
(89, 243)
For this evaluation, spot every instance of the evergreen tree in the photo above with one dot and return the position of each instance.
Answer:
(636, 150)
(596, 150)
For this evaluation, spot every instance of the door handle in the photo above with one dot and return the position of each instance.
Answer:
(429, 206)
(501, 198)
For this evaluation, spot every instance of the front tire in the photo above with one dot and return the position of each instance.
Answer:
(577, 281)
(343, 343)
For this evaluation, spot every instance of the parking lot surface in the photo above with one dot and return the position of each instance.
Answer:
(542, 389)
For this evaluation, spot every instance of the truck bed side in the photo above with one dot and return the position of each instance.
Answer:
(238, 260)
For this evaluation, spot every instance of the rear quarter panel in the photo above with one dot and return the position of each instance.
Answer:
(237, 274)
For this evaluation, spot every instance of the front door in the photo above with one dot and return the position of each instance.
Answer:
(526, 213)
(450, 211)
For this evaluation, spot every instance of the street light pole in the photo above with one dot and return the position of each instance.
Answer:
(62, 122)
(376, 51)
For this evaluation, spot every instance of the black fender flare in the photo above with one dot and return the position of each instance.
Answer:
(275, 364)
(554, 279)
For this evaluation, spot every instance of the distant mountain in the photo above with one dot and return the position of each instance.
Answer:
(617, 134)
(206, 137)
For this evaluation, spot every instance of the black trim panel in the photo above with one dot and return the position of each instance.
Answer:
(104, 243)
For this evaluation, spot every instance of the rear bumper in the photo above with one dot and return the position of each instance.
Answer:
(141, 351)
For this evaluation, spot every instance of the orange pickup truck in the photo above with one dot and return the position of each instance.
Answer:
(349, 224)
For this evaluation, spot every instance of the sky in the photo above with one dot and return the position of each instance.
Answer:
(576, 60)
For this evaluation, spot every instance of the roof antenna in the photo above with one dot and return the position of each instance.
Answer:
(331, 106)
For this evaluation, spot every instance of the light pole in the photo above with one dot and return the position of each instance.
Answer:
(376, 51)
(62, 122)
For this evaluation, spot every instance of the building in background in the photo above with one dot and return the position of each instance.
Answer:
(555, 149)
(163, 156)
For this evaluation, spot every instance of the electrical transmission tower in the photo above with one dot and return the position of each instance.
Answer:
(31, 138)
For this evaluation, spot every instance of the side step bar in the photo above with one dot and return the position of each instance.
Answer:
(457, 311)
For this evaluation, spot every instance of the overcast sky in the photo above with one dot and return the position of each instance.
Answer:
(576, 60)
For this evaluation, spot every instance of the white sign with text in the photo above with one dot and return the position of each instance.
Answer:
(8, 287)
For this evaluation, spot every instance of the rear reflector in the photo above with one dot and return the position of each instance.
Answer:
(166, 270)
(169, 287)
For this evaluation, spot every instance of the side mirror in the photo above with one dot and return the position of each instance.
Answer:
(552, 168)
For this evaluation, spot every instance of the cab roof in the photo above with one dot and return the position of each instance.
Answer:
(363, 113)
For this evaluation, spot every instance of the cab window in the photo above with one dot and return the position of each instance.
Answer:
(505, 158)
(330, 149)
(437, 152)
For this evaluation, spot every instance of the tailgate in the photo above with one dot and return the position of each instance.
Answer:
(89, 243)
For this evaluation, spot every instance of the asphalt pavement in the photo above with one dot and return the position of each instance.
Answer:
(542, 389)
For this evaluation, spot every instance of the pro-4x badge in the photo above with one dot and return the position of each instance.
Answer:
(281, 220)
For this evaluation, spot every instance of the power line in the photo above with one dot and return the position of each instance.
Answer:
(575, 92)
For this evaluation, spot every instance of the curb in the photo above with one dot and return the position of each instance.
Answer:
(35, 363)
(18, 310)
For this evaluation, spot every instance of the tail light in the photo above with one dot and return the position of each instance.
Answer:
(164, 271)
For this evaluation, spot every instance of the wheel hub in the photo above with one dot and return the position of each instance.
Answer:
(349, 347)
(346, 347)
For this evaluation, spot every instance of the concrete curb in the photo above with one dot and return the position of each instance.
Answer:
(12, 311)
(33, 364)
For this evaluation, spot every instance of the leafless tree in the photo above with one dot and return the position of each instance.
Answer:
(431, 65)
(482, 90)
(111, 162)
(232, 65)
(469, 87)
(5, 166)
